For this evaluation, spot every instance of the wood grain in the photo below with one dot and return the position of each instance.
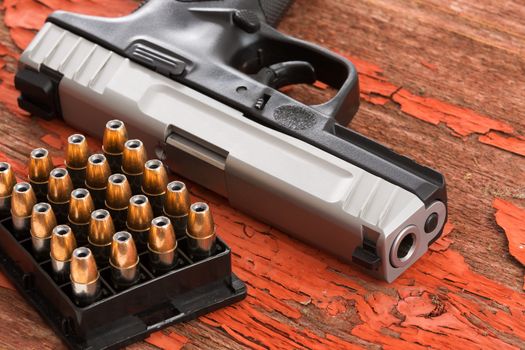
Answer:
(442, 82)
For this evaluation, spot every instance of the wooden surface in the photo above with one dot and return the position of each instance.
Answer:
(443, 82)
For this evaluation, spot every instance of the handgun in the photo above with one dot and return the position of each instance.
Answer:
(200, 83)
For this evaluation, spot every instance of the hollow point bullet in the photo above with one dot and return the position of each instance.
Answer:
(59, 192)
(118, 194)
(133, 159)
(80, 208)
(85, 278)
(7, 182)
(77, 154)
(101, 231)
(40, 165)
(22, 201)
(124, 260)
(177, 206)
(139, 219)
(154, 183)
(43, 221)
(115, 135)
(162, 244)
(62, 245)
(200, 230)
(97, 173)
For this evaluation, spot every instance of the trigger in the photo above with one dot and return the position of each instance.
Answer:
(287, 73)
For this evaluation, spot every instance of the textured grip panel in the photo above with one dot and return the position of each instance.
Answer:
(274, 10)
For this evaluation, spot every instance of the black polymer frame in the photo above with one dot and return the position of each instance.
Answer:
(122, 317)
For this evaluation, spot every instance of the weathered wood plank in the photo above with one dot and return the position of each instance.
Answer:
(442, 82)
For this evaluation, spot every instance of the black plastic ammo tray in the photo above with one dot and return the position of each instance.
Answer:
(118, 318)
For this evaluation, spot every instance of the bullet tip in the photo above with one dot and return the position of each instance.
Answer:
(118, 192)
(155, 178)
(7, 179)
(77, 151)
(161, 237)
(200, 221)
(62, 243)
(23, 199)
(123, 251)
(80, 206)
(140, 213)
(83, 266)
(177, 202)
(60, 186)
(43, 220)
(101, 228)
(97, 171)
(115, 135)
(134, 157)
(40, 165)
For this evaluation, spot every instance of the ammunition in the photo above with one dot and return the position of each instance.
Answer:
(118, 194)
(22, 201)
(139, 219)
(59, 192)
(62, 245)
(85, 278)
(77, 154)
(80, 208)
(43, 221)
(154, 182)
(177, 206)
(124, 260)
(97, 173)
(162, 244)
(7, 181)
(101, 231)
(200, 230)
(133, 160)
(115, 135)
(40, 165)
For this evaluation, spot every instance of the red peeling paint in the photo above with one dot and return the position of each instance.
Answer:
(462, 121)
(444, 242)
(171, 341)
(512, 144)
(52, 141)
(511, 219)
